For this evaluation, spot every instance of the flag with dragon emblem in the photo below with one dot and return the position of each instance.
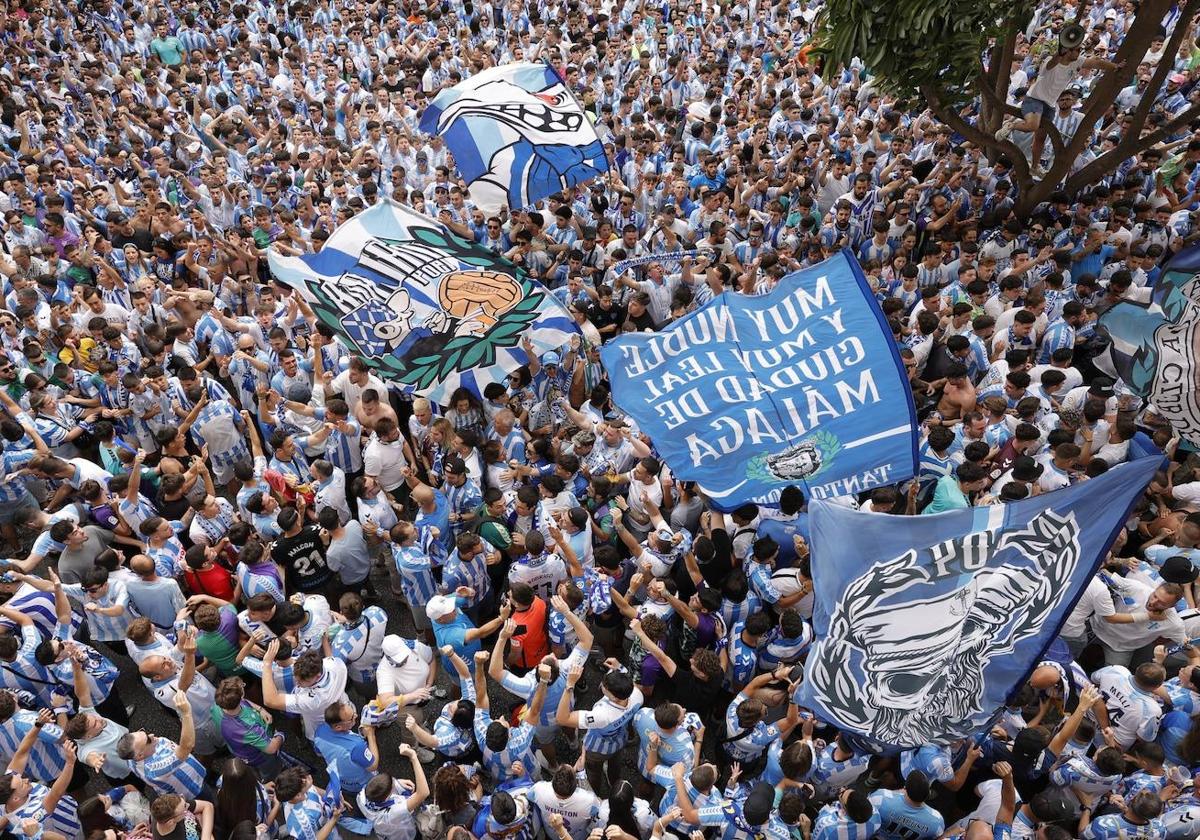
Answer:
(423, 307)
(1155, 346)
(517, 135)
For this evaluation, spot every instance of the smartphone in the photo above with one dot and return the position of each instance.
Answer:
(520, 631)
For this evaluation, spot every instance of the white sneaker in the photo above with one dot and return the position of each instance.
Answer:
(1005, 130)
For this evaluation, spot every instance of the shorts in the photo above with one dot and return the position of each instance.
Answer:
(19, 511)
(1030, 105)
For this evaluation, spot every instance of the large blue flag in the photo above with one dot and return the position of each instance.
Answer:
(517, 135)
(1155, 346)
(749, 394)
(925, 624)
(423, 307)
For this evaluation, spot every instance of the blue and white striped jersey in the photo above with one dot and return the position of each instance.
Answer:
(46, 759)
(605, 724)
(360, 645)
(453, 741)
(519, 747)
(166, 773)
(64, 819)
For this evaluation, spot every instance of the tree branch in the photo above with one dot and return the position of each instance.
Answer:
(1132, 51)
(1142, 112)
(1004, 75)
(1127, 147)
(976, 135)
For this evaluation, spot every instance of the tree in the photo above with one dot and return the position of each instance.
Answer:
(956, 55)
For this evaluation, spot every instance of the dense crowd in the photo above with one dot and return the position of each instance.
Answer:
(503, 616)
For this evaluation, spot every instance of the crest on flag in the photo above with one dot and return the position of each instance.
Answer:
(1155, 347)
(517, 135)
(422, 306)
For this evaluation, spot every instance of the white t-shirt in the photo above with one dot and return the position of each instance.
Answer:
(391, 818)
(310, 702)
(385, 461)
(579, 811)
(1134, 636)
(407, 675)
(1051, 81)
(352, 393)
(1095, 601)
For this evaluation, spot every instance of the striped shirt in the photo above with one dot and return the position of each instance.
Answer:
(833, 824)
(605, 724)
(473, 573)
(46, 759)
(64, 820)
(1059, 335)
(24, 673)
(166, 773)
(416, 576)
(519, 747)
(751, 745)
(12, 489)
(206, 531)
(216, 426)
(933, 466)
(39, 606)
(104, 628)
(260, 578)
(304, 820)
(778, 650)
(343, 449)
(462, 500)
(360, 645)
(451, 740)
(168, 558)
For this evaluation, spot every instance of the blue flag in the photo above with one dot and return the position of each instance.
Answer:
(423, 307)
(926, 624)
(749, 394)
(517, 135)
(1155, 346)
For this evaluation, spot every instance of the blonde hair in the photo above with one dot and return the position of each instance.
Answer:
(421, 404)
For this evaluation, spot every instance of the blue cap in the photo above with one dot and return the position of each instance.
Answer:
(550, 358)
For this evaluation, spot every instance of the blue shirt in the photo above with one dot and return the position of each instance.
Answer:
(900, 820)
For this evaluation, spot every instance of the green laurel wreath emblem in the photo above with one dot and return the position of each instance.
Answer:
(466, 352)
(826, 443)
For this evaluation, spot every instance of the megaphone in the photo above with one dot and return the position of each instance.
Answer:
(1071, 37)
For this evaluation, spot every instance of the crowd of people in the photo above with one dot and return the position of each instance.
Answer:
(332, 607)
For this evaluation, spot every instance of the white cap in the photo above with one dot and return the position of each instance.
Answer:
(440, 606)
(395, 649)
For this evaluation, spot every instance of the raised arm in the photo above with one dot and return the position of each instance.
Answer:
(496, 668)
(21, 756)
(272, 697)
(586, 638)
(481, 697)
(653, 649)
(421, 793)
(1088, 697)
(187, 727)
(563, 715)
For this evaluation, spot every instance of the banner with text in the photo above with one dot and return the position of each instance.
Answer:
(749, 394)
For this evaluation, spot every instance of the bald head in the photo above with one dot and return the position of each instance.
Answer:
(1044, 677)
(423, 496)
(141, 565)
